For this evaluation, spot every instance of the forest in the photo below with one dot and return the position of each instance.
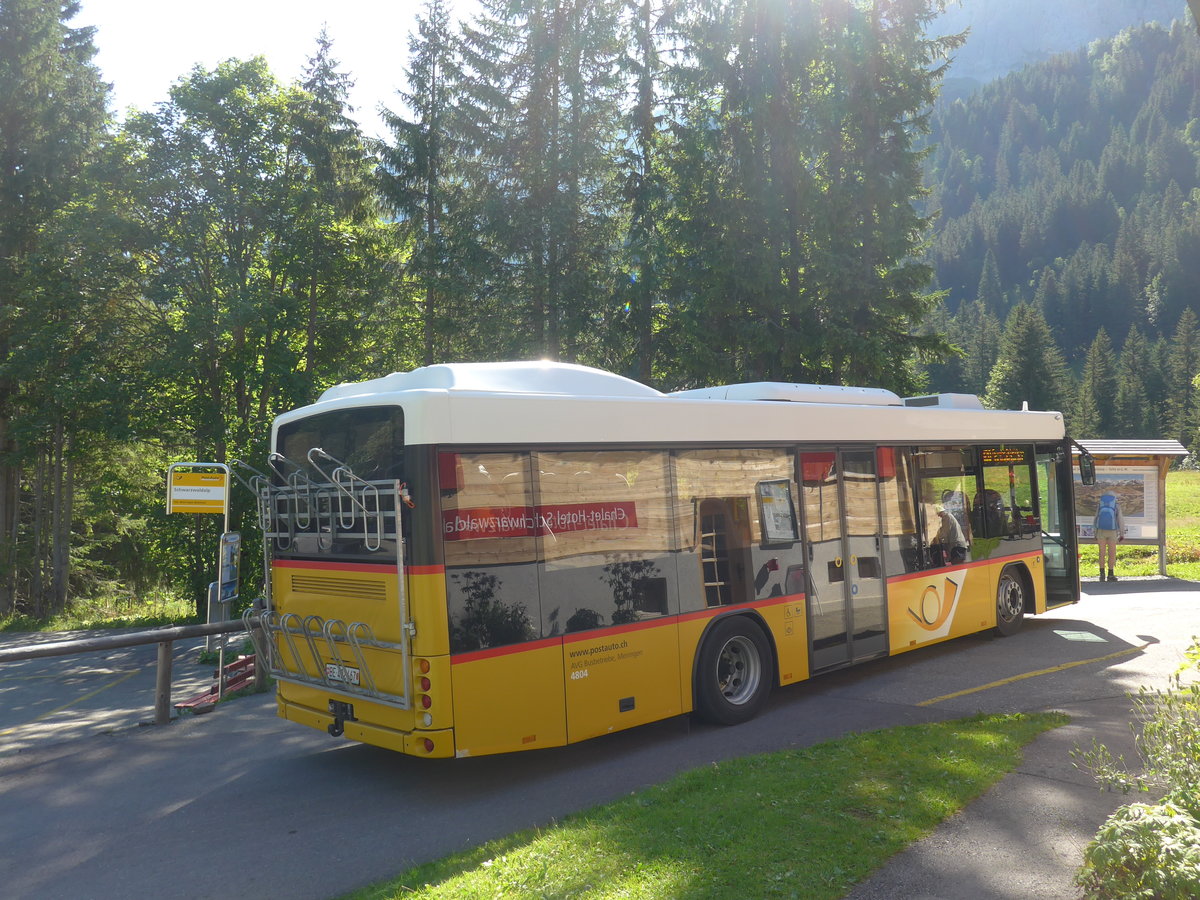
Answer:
(686, 193)
(1066, 196)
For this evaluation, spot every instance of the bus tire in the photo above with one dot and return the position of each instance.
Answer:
(1010, 602)
(734, 672)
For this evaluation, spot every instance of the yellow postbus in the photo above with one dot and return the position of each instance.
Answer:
(482, 558)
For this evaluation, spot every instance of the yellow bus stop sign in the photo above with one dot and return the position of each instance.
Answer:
(197, 492)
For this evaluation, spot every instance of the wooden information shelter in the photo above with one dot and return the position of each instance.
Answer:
(1136, 472)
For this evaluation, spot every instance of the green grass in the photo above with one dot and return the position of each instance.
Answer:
(1183, 537)
(156, 609)
(806, 823)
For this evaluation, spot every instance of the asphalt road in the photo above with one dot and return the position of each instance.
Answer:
(238, 802)
(61, 698)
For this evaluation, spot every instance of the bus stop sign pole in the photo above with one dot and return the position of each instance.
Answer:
(204, 488)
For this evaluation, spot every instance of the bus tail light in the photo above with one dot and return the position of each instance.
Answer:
(426, 702)
(426, 684)
(428, 744)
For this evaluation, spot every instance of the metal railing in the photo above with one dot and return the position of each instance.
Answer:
(164, 637)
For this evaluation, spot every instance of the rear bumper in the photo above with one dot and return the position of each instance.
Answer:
(428, 744)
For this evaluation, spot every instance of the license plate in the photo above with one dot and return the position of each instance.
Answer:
(344, 674)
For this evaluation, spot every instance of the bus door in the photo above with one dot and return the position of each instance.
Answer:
(1057, 516)
(847, 600)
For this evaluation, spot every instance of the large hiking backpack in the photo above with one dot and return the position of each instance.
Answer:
(1106, 517)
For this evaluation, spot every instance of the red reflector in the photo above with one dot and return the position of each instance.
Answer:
(425, 701)
(425, 684)
(428, 745)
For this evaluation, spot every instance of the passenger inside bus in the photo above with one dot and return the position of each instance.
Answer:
(949, 545)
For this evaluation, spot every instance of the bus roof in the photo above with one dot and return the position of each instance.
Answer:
(541, 402)
(530, 377)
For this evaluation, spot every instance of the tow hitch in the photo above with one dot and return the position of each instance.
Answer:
(342, 713)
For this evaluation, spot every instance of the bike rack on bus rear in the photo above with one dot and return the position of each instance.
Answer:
(313, 650)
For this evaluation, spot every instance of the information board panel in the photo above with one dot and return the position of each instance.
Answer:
(1137, 493)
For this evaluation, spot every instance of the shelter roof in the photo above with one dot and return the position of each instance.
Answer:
(1137, 447)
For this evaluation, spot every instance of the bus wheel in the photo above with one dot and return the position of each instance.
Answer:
(733, 677)
(1010, 602)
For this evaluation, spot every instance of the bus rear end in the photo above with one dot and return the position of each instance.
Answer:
(354, 630)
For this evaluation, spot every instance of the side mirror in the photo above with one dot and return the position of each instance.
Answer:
(1087, 468)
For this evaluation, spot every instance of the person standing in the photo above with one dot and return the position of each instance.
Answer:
(1110, 528)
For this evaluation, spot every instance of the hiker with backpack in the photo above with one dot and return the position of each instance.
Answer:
(1109, 529)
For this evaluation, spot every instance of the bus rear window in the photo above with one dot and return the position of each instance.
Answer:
(369, 439)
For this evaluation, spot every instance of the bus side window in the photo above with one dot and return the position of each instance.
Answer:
(489, 538)
(604, 518)
(736, 552)
(946, 478)
(901, 544)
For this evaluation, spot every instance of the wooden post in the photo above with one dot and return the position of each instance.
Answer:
(162, 689)
(1164, 463)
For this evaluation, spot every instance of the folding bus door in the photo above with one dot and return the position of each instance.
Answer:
(847, 601)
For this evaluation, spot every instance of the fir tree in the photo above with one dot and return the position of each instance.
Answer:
(980, 331)
(990, 292)
(420, 176)
(543, 99)
(795, 170)
(1030, 367)
(1183, 364)
(1093, 414)
(1132, 415)
(52, 121)
(645, 189)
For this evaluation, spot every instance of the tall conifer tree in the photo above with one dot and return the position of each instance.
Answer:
(1133, 416)
(52, 119)
(644, 184)
(795, 172)
(1030, 368)
(1183, 364)
(421, 179)
(1093, 411)
(543, 94)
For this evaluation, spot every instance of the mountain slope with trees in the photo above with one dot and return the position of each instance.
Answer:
(1073, 186)
(1006, 35)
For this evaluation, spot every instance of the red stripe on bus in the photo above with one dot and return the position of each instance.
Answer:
(975, 564)
(493, 652)
(599, 634)
(333, 566)
(576, 637)
(754, 604)
(355, 567)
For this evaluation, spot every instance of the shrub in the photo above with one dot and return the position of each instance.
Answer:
(1152, 850)
(1144, 851)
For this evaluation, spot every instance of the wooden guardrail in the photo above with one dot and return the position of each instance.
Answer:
(164, 637)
